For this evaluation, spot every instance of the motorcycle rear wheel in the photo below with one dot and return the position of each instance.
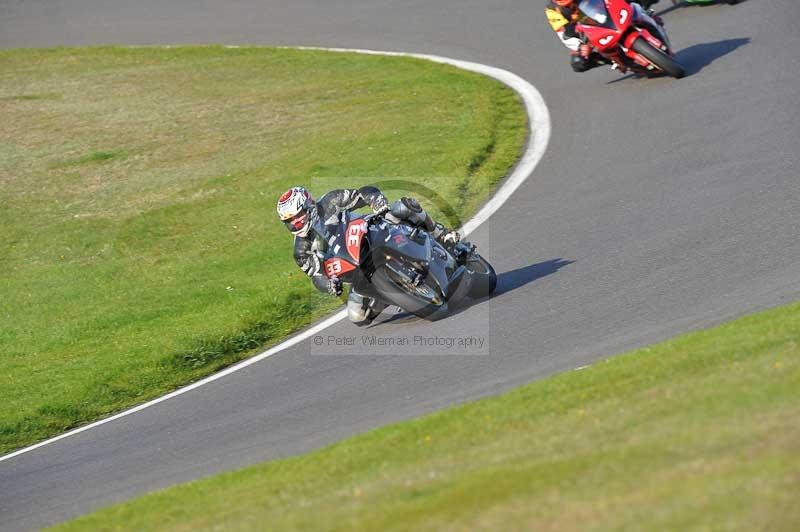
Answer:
(664, 62)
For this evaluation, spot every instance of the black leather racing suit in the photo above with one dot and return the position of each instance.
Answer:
(329, 207)
(361, 310)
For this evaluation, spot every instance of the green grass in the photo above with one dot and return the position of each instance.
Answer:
(698, 433)
(140, 246)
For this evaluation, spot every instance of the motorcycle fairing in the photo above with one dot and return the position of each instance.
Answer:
(356, 230)
(605, 22)
(397, 245)
(622, 14)
(386, 251)
(392, 240)
(606, 39)
(343, 245)
(609, 26)
(649, 37)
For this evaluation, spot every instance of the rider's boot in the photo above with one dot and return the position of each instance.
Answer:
(362, 310)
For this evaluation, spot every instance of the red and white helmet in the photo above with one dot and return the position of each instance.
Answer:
(297, 210)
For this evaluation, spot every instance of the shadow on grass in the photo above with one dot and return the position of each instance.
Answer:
(506, 282)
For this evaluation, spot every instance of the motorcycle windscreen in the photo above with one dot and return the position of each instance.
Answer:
(594, 13)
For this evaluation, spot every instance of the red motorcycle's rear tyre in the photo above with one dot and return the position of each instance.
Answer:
(664, 62)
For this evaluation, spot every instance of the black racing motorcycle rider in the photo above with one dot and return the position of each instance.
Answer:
(306, 220)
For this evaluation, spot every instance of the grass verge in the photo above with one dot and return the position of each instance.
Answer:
(140, 249)
(698, 433)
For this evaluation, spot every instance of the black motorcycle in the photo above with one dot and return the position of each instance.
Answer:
(404, 266)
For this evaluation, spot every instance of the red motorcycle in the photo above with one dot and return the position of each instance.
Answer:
(627, 36)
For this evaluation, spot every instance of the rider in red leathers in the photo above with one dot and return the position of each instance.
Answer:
(563, 16)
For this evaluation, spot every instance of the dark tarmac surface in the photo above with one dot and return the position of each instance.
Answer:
(661, 207)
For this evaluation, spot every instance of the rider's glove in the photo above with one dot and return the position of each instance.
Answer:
(380, 205)
(586, 50)
(311, 266)
(451, 238)
(335, 286)
(462, 251)
(446, 237)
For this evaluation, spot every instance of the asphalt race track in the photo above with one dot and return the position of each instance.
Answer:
(661, 206)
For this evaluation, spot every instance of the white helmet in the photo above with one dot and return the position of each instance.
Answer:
(297, 210)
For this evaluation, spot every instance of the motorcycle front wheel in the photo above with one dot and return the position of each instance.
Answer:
(664, 62)
(420, 299)
(484, 278)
